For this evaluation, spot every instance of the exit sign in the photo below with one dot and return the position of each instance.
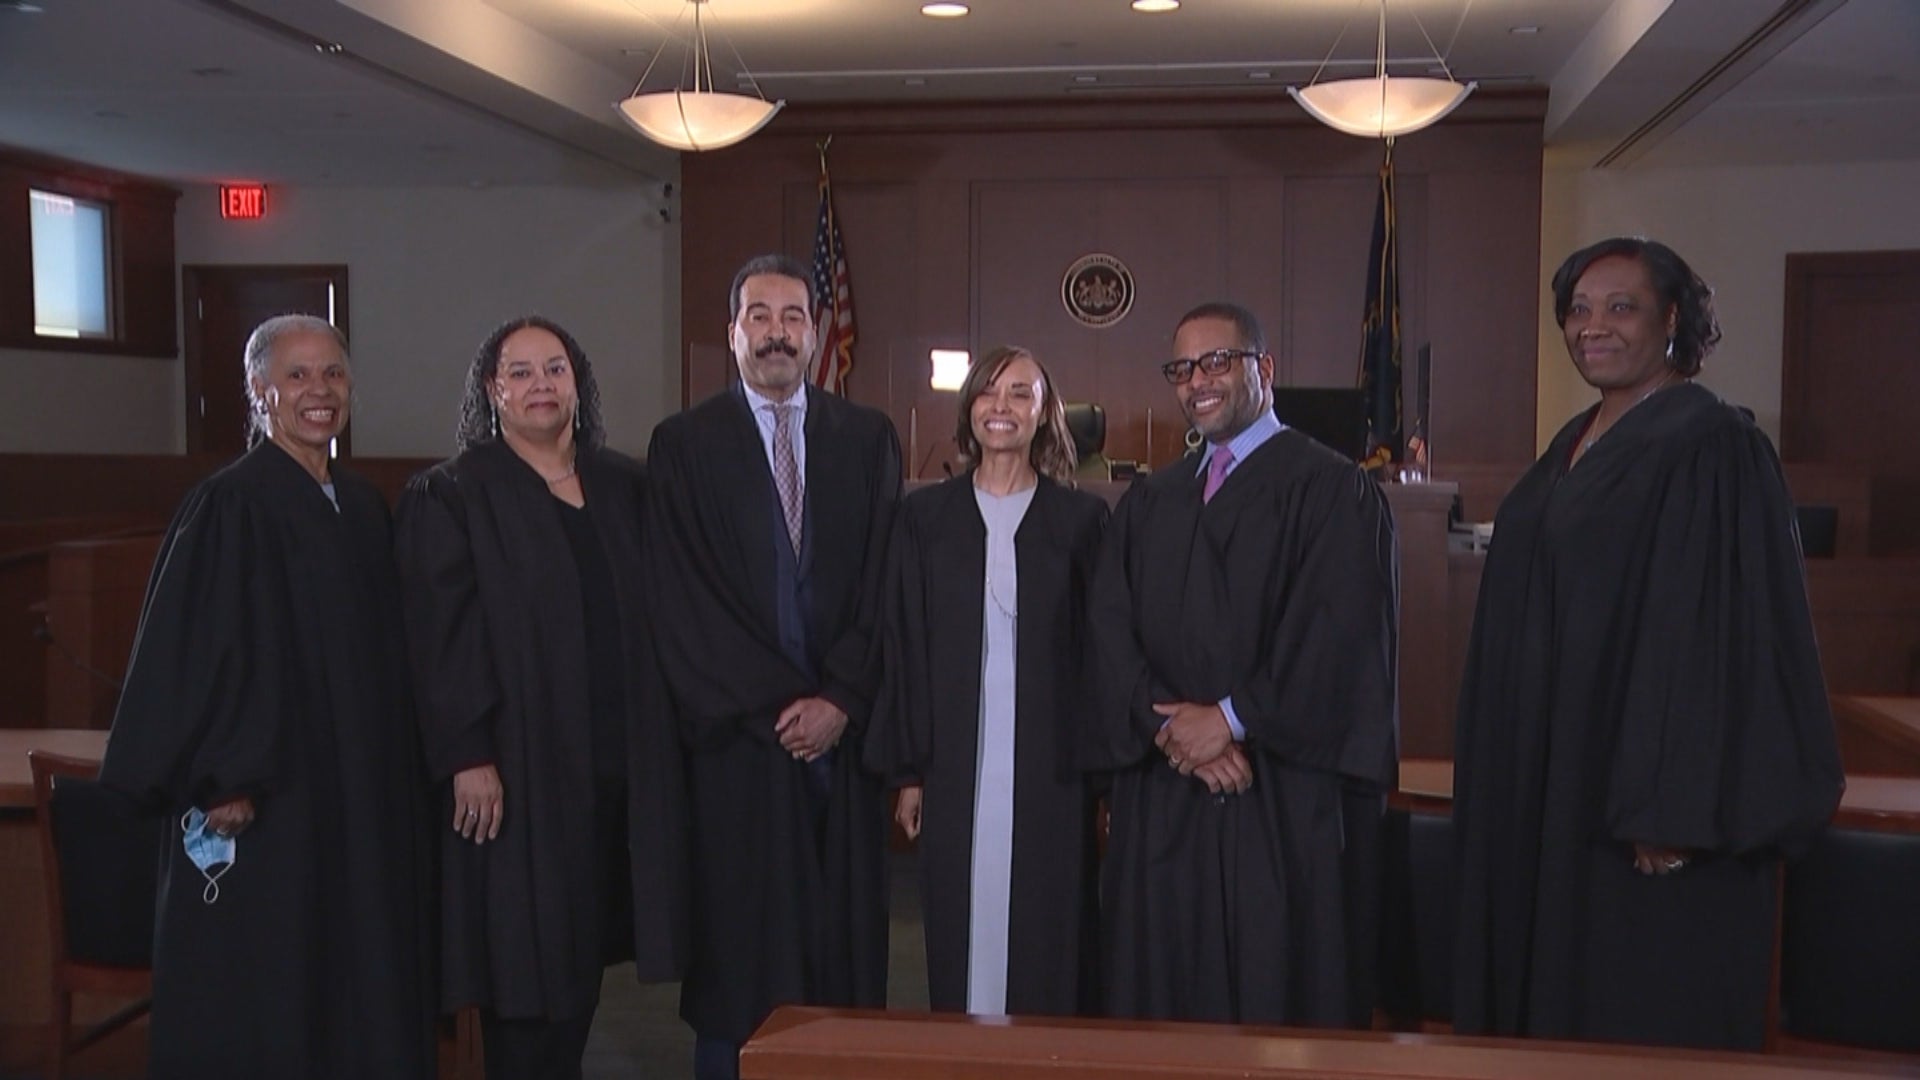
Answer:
(243, 200)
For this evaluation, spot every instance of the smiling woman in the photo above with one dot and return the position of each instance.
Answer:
(299, 388)
(1643, 728)
(529, 639)
(987, 605)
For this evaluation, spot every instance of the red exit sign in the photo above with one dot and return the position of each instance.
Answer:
(243, 200)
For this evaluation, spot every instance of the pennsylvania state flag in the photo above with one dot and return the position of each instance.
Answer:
(1380, 344)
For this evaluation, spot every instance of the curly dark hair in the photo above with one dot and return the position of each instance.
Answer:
(1052, 453)
(477, 424)
(1695, 328)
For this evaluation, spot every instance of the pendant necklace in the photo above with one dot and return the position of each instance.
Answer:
(1586, 444)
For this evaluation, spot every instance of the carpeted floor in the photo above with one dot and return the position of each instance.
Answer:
(638, 1031)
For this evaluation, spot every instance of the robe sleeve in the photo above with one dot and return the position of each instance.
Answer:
(716, 666)
(1323, 691)
(1726, 742)
(850, 671)
(1083, 559)
(1120, 725)
(458, 699)
(201, 717)
(899, 742)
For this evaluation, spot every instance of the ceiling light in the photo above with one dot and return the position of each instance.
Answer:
(1086, 78)
(700, 118)
(1383, 106)
(1154, 7)
(944, 11)
(21, 7)
(1523, 30)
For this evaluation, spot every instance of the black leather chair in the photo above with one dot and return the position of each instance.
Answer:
(1416, 948)
(1850, 936)
(1819, 530)
(1087, 423)
(102, 865)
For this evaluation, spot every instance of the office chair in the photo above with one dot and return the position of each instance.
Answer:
(102, 866)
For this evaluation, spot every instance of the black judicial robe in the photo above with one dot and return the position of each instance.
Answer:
(500, 655)
(1281, 592)
(1642, 669)
(787, 907)
(926, 729)
(270, 664)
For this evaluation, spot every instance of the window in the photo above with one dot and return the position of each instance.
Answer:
(71, 261)
(86, 259)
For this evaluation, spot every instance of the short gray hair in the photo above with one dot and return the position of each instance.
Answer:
(259, 355)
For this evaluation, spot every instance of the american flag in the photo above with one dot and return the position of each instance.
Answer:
(832, 285)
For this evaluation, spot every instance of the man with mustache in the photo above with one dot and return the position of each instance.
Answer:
(1243, 616)
(768, 514)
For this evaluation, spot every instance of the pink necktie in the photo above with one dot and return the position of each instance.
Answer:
(1217, 471)
(786, 474)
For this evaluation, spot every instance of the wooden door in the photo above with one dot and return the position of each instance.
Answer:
(1850, 379)
(222, 306)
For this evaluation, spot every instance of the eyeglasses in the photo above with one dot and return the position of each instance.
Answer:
(1214, 363)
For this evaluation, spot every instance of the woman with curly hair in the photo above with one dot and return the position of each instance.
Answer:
(539, 707)
(1643, 727)
(977, 719)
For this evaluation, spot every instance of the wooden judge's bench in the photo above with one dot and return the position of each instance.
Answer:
(824, 1044)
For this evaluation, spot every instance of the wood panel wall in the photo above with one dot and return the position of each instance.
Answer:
(1850, 378)
(960, 221)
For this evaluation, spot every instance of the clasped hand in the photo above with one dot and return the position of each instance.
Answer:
(809, 727)
(1198, 743)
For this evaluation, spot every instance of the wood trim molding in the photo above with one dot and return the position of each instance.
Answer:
(1108, 110)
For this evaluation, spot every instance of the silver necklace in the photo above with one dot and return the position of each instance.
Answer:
(1586, 444)
(994, 595)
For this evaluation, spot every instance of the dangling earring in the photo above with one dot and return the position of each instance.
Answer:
(493, 418)
(1669, 352)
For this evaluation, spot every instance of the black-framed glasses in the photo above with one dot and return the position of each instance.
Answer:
(1214, 363)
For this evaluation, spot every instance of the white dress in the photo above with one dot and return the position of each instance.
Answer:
(992, 874)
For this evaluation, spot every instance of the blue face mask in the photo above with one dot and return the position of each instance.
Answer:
(210, 853)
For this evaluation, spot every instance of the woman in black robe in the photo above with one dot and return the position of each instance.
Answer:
(981, 744)
(266, 714)
(539, 707)
(1643, 729)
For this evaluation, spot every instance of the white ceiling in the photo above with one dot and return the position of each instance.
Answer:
(521, 91)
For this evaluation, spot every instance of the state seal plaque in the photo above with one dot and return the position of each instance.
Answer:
(1097, 290)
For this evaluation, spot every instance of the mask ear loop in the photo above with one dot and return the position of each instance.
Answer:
(212, 892)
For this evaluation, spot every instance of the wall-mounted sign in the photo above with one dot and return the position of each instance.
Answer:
(243, 200)
(1098, 290)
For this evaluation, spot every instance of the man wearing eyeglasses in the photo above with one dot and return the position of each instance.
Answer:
(1245, 614)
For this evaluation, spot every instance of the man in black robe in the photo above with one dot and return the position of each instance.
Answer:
(266, 704)
(1244, 615)
(768, 511)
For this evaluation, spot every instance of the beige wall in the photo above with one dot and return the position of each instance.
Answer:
(80, 403)
(430, 271)
(1736, 227)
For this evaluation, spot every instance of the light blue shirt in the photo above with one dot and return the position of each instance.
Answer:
(762, 407)
(1264, 427)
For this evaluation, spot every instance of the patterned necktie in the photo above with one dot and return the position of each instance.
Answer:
(1217, 471)
(786, 473)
